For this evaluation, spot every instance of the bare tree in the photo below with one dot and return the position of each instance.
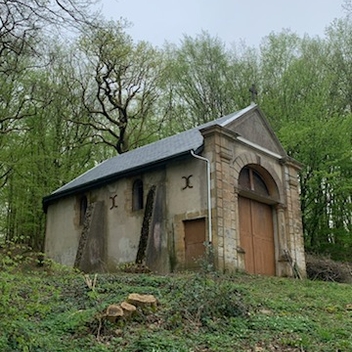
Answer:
(347, 7)
(21, 22)
(121, 99)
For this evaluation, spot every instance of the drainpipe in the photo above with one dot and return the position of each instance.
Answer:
(210, 236)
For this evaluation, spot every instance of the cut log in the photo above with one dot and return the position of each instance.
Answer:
(142, 300)
(128, 309)
(114, 312)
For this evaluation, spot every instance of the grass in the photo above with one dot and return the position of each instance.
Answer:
(56, 309)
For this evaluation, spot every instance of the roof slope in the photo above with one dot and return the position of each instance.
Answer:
(146, 156)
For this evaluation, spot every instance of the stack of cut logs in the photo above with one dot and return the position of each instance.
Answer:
(126, 309)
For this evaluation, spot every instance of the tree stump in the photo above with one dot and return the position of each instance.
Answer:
(114, 312)
(128, 309)
(142, 300)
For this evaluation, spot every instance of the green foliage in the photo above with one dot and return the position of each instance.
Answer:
(197, 85)
(48, 152)
(306, 102)
(55, 311)
(325, 182)
(201, 300)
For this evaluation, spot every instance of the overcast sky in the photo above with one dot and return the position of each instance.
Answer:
(230, 20)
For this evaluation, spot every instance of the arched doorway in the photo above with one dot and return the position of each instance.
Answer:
(256, 221)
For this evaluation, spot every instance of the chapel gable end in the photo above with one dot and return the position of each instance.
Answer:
(255, 128)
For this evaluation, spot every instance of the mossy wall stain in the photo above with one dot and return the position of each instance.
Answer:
(84, 234)
(157, 256)
(91, 250)
(142, 246)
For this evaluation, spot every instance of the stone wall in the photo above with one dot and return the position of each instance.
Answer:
(229, 156)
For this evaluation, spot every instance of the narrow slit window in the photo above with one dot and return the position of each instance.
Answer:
(83, 205)
(137, 195)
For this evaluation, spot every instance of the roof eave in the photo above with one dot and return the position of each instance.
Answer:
(47, 200)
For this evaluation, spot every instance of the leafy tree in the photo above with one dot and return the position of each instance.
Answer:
(48, 150)
(27, 98)
(277, 53)
(244, 71)
(22, 26)
(338, 62)
(305, 109)
(199, 86)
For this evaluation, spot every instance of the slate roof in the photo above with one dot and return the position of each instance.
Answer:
(147, 156)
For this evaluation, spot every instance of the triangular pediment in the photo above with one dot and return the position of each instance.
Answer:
(255, 128)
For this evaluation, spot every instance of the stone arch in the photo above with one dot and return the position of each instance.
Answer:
(252, 203)
(265, 169)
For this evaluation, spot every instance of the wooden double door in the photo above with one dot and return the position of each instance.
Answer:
(257, 236)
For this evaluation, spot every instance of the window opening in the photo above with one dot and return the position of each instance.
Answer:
(137, 195)
(251, 180)
(83, 205)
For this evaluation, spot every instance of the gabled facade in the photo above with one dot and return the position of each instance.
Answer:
(227, 186)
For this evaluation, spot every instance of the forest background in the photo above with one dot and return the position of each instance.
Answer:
(76, 89)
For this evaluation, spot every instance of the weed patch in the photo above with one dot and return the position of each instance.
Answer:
(201, 300)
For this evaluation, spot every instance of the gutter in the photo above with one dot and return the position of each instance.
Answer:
(210, 235)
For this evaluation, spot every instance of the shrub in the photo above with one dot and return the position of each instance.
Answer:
(201, 300)
(326, 269)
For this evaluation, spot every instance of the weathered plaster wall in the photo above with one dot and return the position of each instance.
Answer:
(185, 200)
(178, 196)
(254, 128)
(122, 223)
(120, 233)
(62, 231)
(157, 251)
(176, 189)
(91, 253)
